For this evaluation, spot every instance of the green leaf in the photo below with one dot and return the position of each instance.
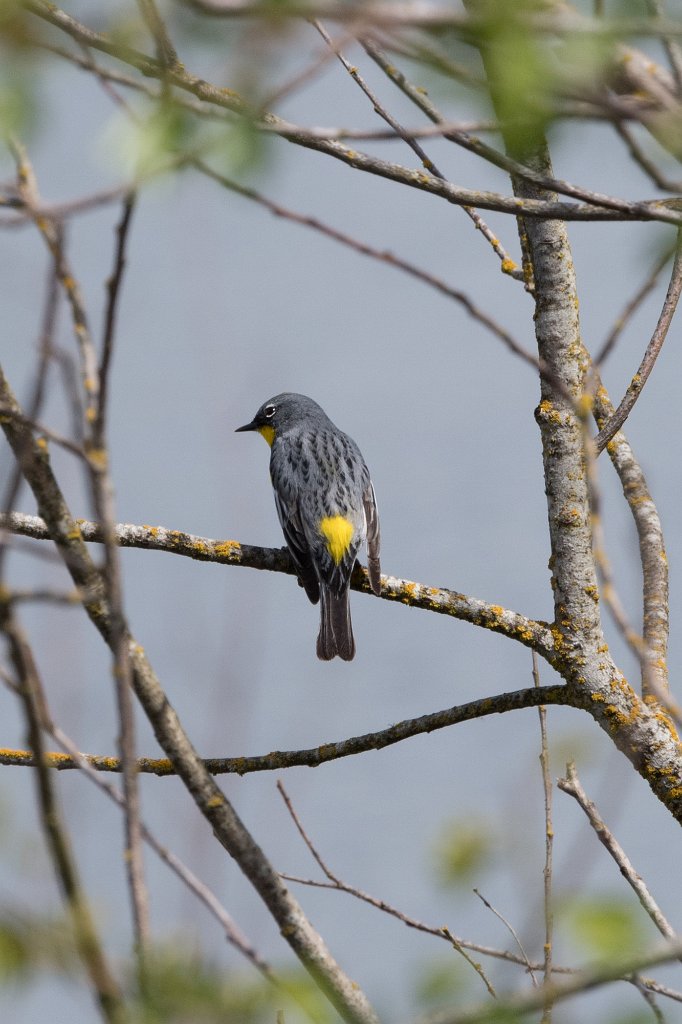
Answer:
(463, 851)
(441, 981)
(605, 926)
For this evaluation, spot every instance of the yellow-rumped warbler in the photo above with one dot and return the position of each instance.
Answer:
(326, 506)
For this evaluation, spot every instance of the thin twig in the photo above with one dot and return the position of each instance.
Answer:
(29, 689)
(671, 47)
(45, 354)
(233, 933)
(113, 287)
(457, 945)
(383, 256)
(637, 383)
(571, 785)
(30, 595)
(549, 843)
(47, 433)
(482, 149)
(609, 592)
(516, 1004)
(616, 209)
(650, 999)
(653, 558)
(632, 306)
(102, 489)
(165, 51)
(335, 883)
(52, 236)
(512, 931)
(650, 168)
(371, 49)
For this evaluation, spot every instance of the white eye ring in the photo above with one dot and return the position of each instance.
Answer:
(269, 411)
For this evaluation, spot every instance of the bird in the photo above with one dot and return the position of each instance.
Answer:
(326, 506)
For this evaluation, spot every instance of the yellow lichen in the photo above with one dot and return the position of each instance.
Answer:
(228, 548)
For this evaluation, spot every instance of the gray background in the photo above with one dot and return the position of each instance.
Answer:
(224, 306)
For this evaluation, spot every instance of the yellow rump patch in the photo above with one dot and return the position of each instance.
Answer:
(338, 533)
(268, 433)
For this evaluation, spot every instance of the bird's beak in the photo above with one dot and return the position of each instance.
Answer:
(247, 426)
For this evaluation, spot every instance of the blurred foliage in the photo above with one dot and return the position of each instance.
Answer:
(30, 943)
(443, 981)
(604, 926)
(519, 66)
(637, 1017)
(463, 851)
(145, 146)
(182, 988)
(18, 81)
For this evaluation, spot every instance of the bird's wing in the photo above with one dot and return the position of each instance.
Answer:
(290, 522)
(369, 502)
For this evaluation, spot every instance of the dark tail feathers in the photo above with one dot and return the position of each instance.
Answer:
(336, 632)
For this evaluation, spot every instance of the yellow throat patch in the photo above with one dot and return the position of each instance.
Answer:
(268, 433)
(338, 533)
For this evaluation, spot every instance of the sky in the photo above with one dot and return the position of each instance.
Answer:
(224, 306)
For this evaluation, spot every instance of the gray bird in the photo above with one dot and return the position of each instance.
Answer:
(326, 506)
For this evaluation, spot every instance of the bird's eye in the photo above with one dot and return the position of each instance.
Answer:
(269, 411)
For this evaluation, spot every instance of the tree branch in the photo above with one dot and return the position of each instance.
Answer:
(653, 558)
(571, 785)
(29, 689)
(331, 751)
(653, 349)
(531, 633)
(657, 210)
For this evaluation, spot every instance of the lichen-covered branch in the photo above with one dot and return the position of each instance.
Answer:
(532, 633)
(640, 728)
(332, 751)
(653, 558)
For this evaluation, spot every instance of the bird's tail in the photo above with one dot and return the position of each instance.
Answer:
(336, 632)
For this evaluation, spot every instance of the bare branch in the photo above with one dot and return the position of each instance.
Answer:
(508, 264)
(103, 495)
(572, 785)
(640, 157)
(315, 756)
(113, 287)
(233, 933)
(656, 614)
(549, 843)
(385, 257)
(29, 689)
(512, 931)
(632, 306)
(658, 210)
(582, 981)
(165, 51)
(53, 239)
(647, 364)
(457, 945)
(482, 149)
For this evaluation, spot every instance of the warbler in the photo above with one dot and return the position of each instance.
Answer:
(326, 507)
